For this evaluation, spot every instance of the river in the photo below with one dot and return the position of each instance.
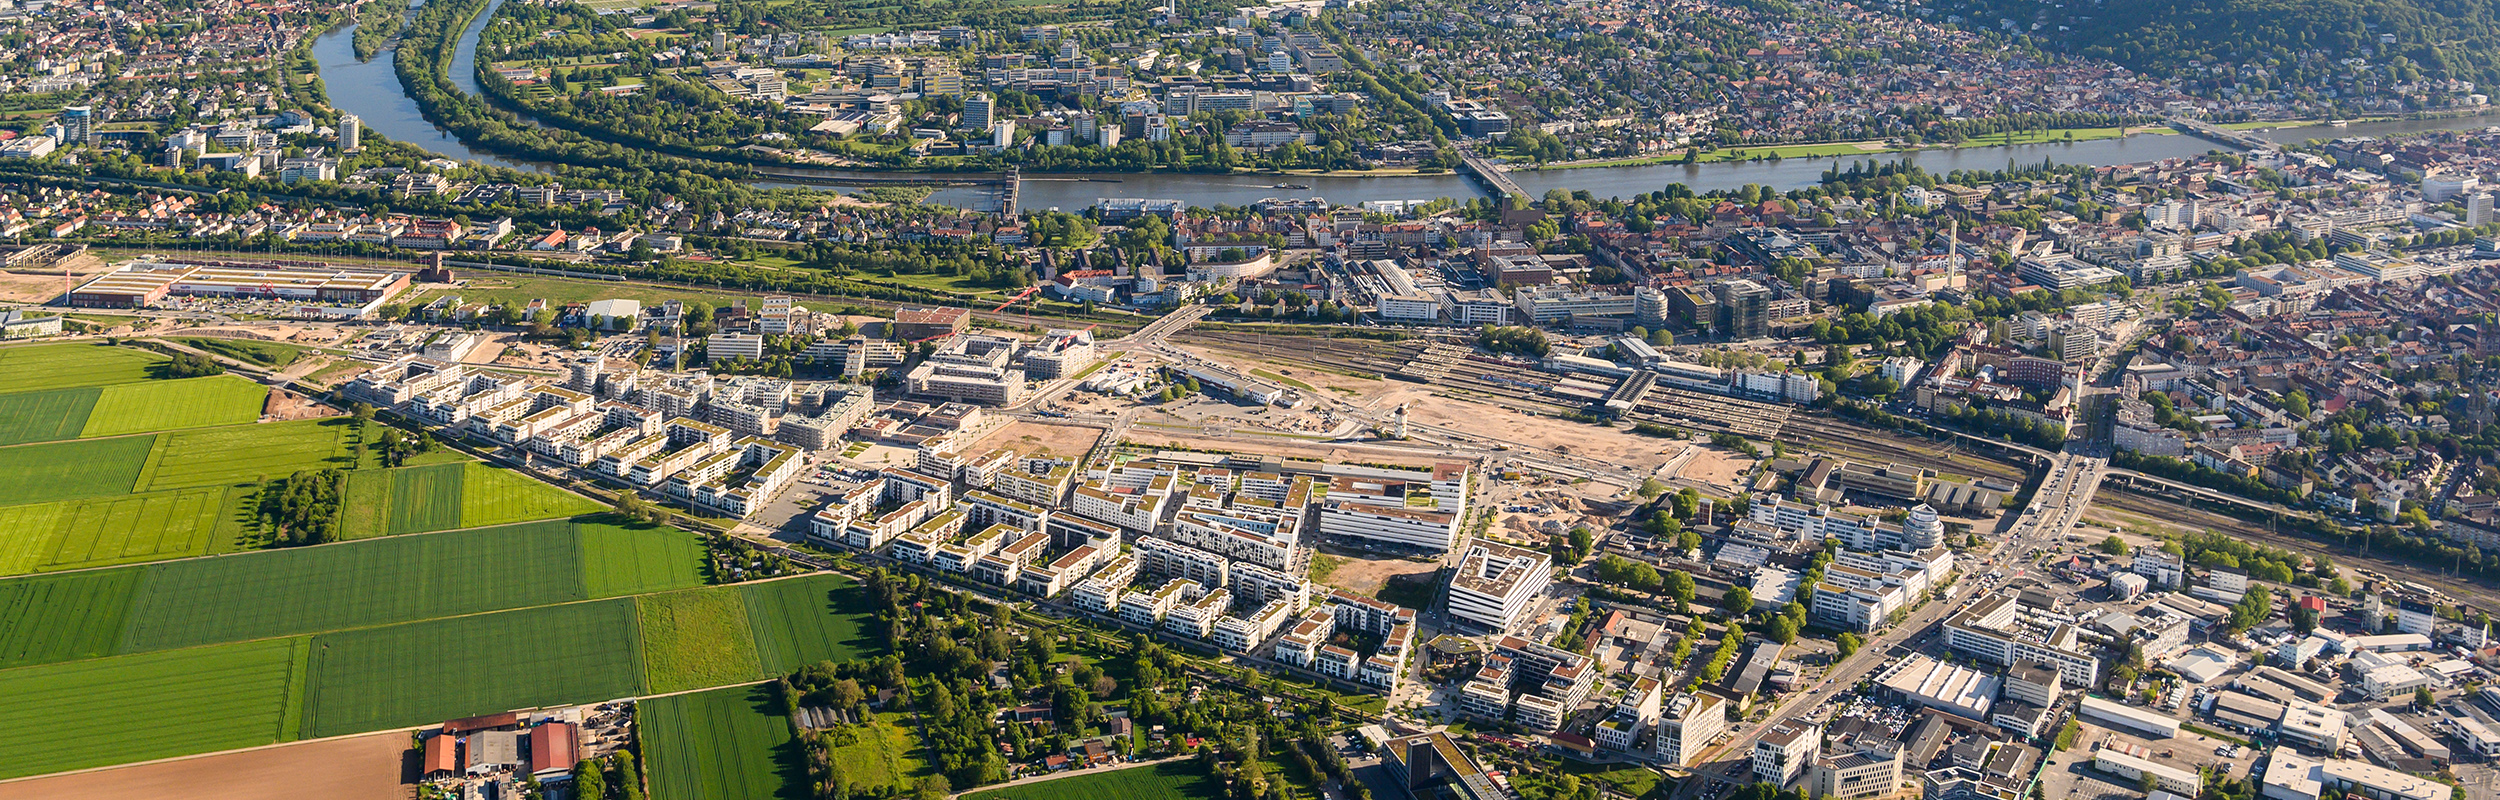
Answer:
(371, 91)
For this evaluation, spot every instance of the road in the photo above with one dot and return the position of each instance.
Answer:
(2060, 501)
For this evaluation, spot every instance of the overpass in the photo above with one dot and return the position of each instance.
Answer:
(1491, 175)
(2240, 139)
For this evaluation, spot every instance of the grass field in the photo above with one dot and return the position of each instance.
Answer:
(423, 672)
(63, 617)
(804, 620)
(694, 639)
(46, 415)
(425, 498)
(174, 405)
(39, 473)
(250, 351)
(621, 559)
(883, 753)
(1177, 780)
(727, 743)
(59, 366)
(365, 504)
(107, 531)
(496, 496)
(375, 582)
(27, 535)
(246, 453)
(134, 708)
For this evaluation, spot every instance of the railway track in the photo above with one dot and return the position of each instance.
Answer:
(2463, 588)
(1853, 439)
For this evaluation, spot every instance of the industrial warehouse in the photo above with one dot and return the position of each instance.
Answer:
(319, 290)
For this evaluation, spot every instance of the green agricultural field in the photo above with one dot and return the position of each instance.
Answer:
(130, 529)
(52, 618)
(40, 473)
(726, 743)
(620, 558)
(804, 620)
(247, 453)
(422, 672)
(174, 405)
(365, 504)
(695, 639)
(1175, 780)
(425, 498)
(157, 705)
(497, 496)
(250, 351)
(883, 753)
(59, 366)
(352, 584)
(46, 415)
(27, 535)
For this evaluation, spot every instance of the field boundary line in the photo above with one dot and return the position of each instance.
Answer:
(1071, 773)
(308, 634)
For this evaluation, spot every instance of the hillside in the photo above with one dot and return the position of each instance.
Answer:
(2293, 46)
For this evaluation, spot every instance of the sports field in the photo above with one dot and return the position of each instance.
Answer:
(173, 405)
(158, 705)
(1175, 780)
(804, 620)
(695, 638)
(39, 473)
(349, 585)
(497, 496)
(431, 671)
(51, 618)
(246, 453)
(621, 558)
(59, 366)
(129, 529)
(725, 743)
(46, 415)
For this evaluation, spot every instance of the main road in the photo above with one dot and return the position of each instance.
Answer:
(2054, 508)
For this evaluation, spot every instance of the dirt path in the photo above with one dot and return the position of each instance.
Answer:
(1070, 773)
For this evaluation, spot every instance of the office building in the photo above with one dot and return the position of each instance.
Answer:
(1495, 583)
(979, 107)
(1785, 751)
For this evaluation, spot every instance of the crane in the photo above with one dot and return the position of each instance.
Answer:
(1020, 296)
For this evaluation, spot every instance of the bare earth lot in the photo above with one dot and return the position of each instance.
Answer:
(1043, 439)
(1365, 576)
(356, 768)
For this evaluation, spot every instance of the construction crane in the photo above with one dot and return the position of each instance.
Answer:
(1020, 296)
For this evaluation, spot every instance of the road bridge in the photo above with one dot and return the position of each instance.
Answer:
(1491, 175)
(2240, 139)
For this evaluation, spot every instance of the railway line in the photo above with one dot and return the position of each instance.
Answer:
(2140, 504)
(1851, 439)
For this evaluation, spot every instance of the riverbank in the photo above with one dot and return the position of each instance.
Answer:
(1782, 152)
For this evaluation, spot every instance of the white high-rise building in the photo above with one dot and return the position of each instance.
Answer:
(351, 133)
(2478, 210)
